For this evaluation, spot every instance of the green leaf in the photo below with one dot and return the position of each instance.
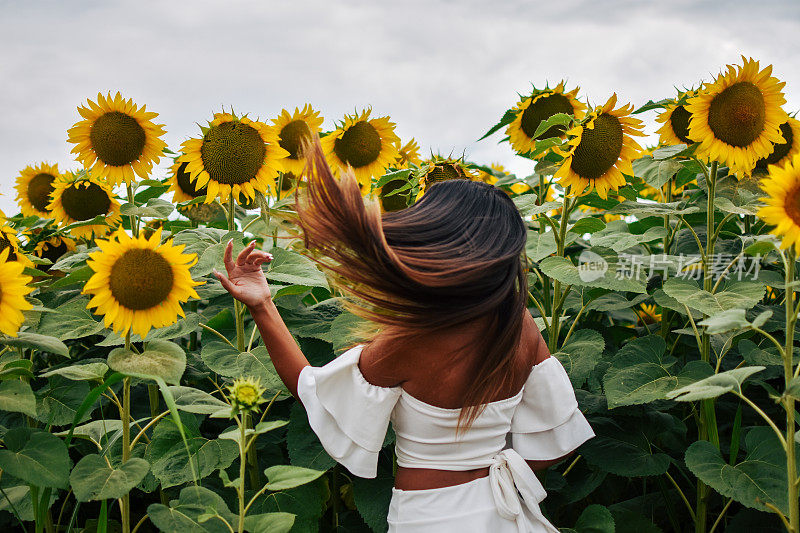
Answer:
(557, 119)
(581, 354)
(84, 372)
(59, 401)
(181, 328)
(617, 237)
(35, 341)
(70, 321)
(307, 502)
(644, 210)
(595, 519)
(163, 359)
(262, 427)
(277, 522)
(760, 478)
(589, 274)
(587, 225)
(196, 401)
(623, 452)
(303, 444)
(282, 477)
(641, 373)
(17, 397)
(614, 302)
(93, 478)
(169, 459)
(295, 269)
(229, 362)
(736, 295)
(730, 320)
(508, 118)
(372, 498)
(95, 430)
(184, 513)
(715, 385)
(36, 457)
(155, 208)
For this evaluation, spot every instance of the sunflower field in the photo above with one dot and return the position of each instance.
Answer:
(136, 396)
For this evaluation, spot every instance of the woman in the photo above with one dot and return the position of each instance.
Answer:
(457, 363)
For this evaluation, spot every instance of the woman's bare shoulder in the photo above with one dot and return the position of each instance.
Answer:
(379, 364)
(532, 341)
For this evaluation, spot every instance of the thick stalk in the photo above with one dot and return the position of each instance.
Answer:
(237, 307)
(242, 464)
(125, 508)
(788, 401)
(707, 406)
(666, 246)
(555, 325)
(134, 219)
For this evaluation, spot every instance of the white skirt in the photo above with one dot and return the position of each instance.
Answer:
(460, 508)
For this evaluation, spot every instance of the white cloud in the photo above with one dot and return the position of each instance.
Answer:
(445, 71)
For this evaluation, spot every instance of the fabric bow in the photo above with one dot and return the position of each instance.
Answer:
(511, 477)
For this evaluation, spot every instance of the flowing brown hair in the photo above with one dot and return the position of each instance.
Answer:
(456, 255)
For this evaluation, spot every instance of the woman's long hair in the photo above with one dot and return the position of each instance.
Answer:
(454, 256)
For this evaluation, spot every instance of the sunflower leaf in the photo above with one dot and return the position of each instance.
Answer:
(162, 359)
(507, 119)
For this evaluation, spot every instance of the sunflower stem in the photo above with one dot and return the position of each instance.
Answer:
(242, 464)
(134, 218)
(707, 415)
(125, 508)
(788, 400)
(554, 330)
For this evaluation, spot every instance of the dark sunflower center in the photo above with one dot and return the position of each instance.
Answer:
(288, 181)
(233, 153)
(54, 251)
(5, 242)
(445, 172)
(39, 190)
(395, 202)
(186, 184)
(779, 150)
(737, 114)
(117, 138)
(792, 205)
(292, 136)
(141, 279)
(85, 203)
(679, 120)
(359, 146)
(599, 148)
(542, 109)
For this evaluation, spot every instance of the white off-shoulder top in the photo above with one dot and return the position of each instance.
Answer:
(351, 416)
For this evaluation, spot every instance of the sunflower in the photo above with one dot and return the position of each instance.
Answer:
(236, 156)
(34, 187)
(139, 283)
(676, 121)
(399, 200)
(783, 202)
(367, 145)
(783, 152)
(648, 315)
(13, 289)
(180, 183)
(245, 394)
(53, 248)
(10, 243)
(442, 169)
(737, 118)
(539, 106)
(601, 150)
(80, 197)
(294, 129)
(116, 139)
(407, 154)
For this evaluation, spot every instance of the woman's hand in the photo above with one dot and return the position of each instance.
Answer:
(245, 280)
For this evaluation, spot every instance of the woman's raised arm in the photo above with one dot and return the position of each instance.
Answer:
(246, 282)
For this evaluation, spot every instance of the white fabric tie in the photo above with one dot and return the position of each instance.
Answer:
(511, 477)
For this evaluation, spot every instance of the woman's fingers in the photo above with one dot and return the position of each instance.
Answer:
(223, 279)
(229, 257)
(259, 256)
(244, 254)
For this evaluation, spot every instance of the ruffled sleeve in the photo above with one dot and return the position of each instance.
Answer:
(547, 423)
(349, 415)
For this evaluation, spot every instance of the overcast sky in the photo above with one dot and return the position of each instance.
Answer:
(443, 70)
